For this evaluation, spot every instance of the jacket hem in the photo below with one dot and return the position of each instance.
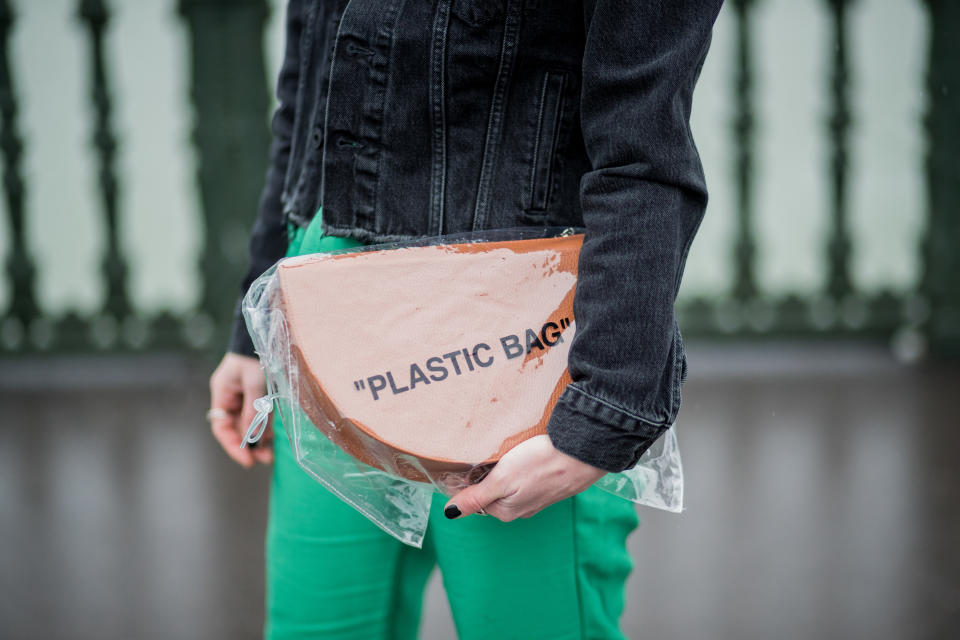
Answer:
(365, 235)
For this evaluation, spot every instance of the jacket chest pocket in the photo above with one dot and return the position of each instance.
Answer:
(549, 112)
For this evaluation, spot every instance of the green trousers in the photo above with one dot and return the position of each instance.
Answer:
(331, 573)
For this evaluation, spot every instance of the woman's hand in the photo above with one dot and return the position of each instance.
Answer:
(531, 476)
(234, 385)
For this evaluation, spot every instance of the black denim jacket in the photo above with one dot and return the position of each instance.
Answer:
(406, 118)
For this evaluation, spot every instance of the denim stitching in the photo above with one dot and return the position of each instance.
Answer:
(368, 152)
(536, 142)
(303, 47)
(491, 146)
(438, 57)
(326, 110)
(551, 137)
(554, 140)
(611, 405)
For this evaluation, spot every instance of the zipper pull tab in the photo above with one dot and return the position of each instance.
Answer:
(263, 405)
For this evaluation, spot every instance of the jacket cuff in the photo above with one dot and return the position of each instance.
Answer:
(598, 433)
(240, 341)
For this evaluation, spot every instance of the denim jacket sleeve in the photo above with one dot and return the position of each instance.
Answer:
(268, 239)
(642, 202)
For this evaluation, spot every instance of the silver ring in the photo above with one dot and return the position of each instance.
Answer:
(217, 414)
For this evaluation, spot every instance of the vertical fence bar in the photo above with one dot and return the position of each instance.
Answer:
(116, 307)
(838, 286)
(229, 92)
(940, 283)
(20, 268)
(744, 252)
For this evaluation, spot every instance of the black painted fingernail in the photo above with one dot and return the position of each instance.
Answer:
(452, 511)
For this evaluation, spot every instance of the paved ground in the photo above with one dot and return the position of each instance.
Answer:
(823, 501)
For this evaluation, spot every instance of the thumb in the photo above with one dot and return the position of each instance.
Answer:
(255, 386)
(474, 498)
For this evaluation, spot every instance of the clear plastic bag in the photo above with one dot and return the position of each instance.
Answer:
(406, 368)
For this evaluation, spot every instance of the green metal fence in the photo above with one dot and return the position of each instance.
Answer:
(230, 99)
(925, 319)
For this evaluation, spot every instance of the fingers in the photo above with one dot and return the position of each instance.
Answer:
(235, 384)
(254, 386)
(263, 448)
(530, 477)
(475, 498)
(226, 395)
(263, 452)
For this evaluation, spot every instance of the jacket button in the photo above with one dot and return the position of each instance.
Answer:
(318, 137)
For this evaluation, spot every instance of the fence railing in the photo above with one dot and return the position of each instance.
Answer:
(925, 319)
(230, 100)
